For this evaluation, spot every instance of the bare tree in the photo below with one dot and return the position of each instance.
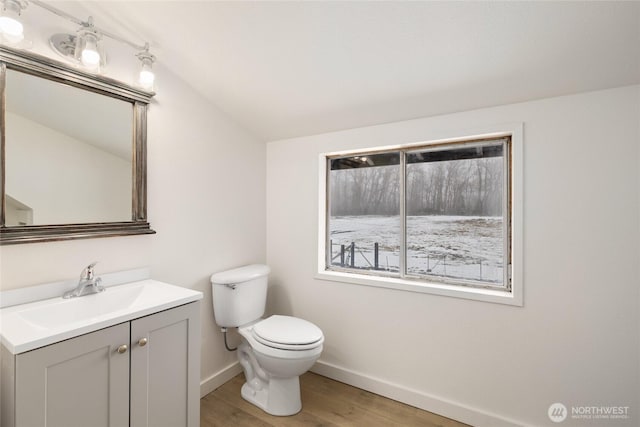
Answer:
(457, 187)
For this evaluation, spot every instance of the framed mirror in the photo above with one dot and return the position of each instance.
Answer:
(72, 152)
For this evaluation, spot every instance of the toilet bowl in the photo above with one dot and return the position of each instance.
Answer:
(274, 351)
(273, 361)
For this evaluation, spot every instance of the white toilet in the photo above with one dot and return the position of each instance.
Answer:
(274, 351)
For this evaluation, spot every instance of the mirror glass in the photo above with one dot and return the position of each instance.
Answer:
(68, 154)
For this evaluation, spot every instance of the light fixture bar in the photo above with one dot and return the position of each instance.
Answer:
(88, 23)
(58, 12)
(84, 47)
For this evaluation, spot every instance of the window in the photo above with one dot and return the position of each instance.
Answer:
(422, 216)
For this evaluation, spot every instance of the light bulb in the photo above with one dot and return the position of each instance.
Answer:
(11, 29)
(146, 77)
(90, 57)
(10, 26)
(89, 54)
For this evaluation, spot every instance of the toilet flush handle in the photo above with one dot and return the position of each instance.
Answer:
(231, 286)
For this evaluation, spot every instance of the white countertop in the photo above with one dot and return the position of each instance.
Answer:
(28, 326)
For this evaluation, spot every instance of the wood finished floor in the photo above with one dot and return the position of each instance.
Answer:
(324, 403)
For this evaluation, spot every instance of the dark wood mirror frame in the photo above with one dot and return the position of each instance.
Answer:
(43, 67)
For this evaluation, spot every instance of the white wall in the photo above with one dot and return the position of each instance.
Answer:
(62, 179)
(575, 341)
(206, 200)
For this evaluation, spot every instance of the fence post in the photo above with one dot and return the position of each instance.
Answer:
(353, 254)
(330, 252)
(375, 255)
(341, 255)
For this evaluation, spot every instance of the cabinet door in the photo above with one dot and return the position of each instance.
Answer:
(165, 369)
(81, 382)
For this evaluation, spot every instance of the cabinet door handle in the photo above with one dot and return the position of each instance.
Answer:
(143, 342)
(122, 349)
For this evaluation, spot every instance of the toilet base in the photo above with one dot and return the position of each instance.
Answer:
(280, 397)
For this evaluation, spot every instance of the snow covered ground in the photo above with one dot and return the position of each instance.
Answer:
(461, 247)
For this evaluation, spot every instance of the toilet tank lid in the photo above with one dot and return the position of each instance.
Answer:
(240, 274)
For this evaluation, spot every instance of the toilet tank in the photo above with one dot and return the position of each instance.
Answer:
(239, 295)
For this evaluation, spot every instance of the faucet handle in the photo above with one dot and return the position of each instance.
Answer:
(87, 273)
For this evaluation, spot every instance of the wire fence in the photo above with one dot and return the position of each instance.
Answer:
(351, 256)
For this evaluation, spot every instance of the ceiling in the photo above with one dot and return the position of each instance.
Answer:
(285, 69)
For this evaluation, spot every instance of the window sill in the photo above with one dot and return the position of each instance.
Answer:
(477, 294)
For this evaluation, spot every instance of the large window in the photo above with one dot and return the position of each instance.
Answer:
(438, 213)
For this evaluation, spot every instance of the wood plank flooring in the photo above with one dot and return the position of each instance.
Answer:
(325, 403)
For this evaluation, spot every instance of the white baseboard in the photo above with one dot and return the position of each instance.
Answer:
(216, 380)
(418, 399)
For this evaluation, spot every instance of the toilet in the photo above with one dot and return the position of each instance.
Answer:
(273, 352)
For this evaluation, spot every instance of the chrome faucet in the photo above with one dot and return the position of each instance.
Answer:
(88, 284)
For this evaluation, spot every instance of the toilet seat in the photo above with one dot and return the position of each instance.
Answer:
(287, 333)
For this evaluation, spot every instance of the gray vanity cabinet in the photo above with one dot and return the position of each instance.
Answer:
(79, 382)
(94, 380)
(165, 369)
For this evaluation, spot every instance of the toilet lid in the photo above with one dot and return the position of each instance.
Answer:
(288, 333)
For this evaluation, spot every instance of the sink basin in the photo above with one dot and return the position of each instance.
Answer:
(82, 309)
(28, 326)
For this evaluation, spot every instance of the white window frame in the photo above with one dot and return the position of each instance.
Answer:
(511, 295)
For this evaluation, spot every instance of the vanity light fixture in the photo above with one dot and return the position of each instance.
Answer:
(146, 76)
(87, 47)
(11, 28)
(83, 48)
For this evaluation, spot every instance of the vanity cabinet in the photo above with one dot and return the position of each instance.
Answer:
(142, 373)
(165, 372)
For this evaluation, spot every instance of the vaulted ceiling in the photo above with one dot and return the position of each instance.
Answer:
(284, 69)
